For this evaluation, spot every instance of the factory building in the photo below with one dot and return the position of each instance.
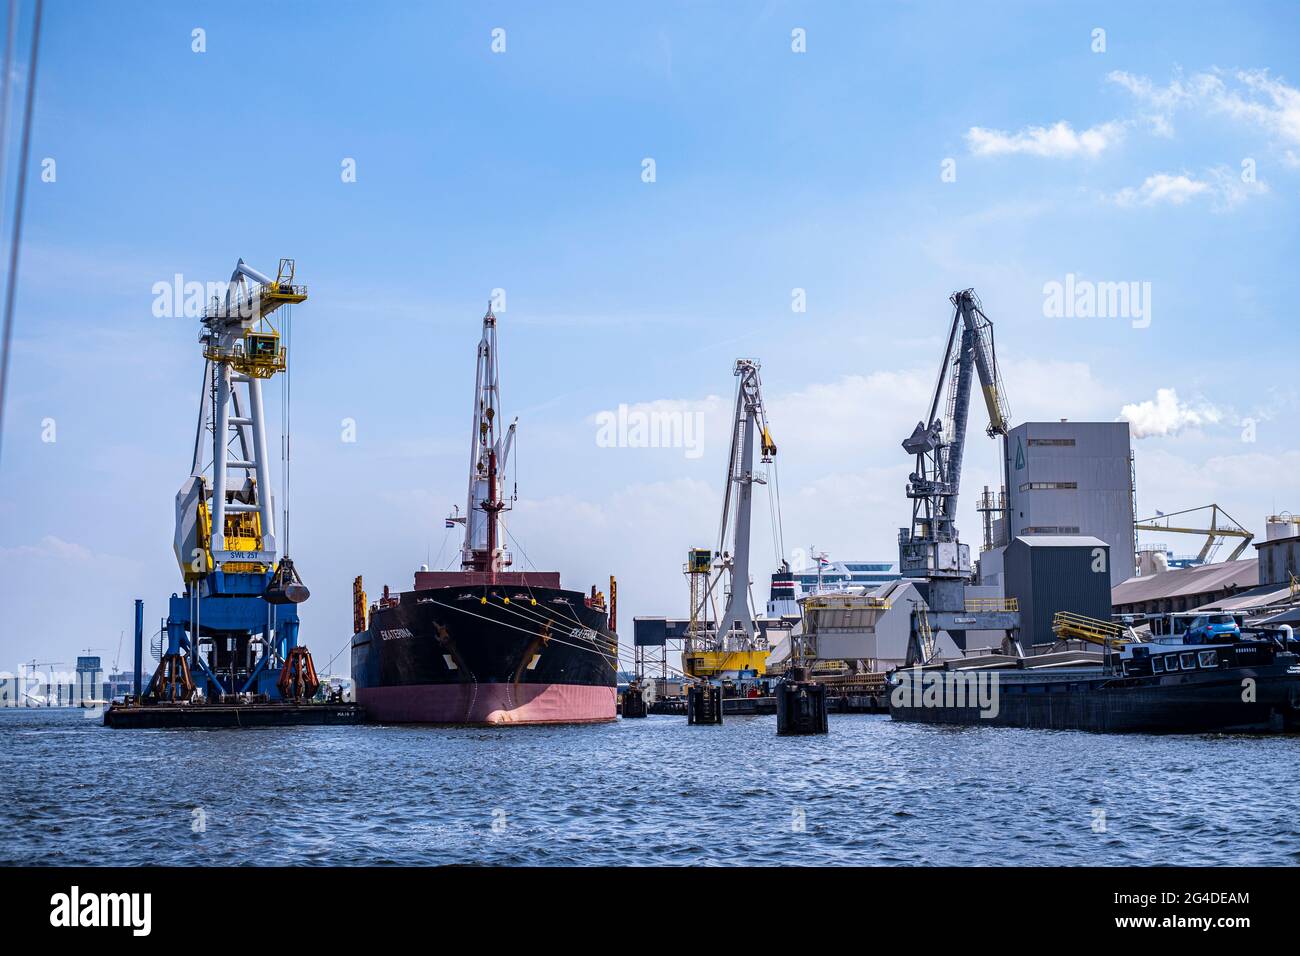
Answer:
(1063, 479)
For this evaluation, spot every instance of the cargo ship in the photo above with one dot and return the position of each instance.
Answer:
(485, 645)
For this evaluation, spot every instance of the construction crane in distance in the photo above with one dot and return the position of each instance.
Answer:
(1215, 534)
(736, 643)
(930, 550)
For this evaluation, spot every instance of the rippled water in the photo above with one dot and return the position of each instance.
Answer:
(639, 791)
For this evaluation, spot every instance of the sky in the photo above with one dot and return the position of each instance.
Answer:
(652, 191)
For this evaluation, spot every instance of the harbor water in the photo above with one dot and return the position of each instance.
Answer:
(651, 791)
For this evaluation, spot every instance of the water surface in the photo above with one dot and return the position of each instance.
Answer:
(651, 791)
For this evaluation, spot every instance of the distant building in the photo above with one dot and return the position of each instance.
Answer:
(90, 680)
(1185, 589)
(1279, 552)
(1066, 478)
(836, 575)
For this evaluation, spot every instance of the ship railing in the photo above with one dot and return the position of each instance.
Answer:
(846, 602)
(1067, 624)
(864, 683)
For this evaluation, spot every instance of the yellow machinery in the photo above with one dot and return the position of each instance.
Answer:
(708, 664)
(1068, 626)
(258, 352)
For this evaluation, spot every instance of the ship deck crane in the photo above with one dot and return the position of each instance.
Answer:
(735, 644)
(240, 595)
(489, 454)
(930, 549)
(1214, 534)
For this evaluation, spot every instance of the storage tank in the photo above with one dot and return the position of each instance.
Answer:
(1153, 560)
(1284, 525)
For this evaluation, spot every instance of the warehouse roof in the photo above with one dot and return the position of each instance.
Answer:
(1259, 597)
(1184, 582)
(1061, 541)
(1289, 616)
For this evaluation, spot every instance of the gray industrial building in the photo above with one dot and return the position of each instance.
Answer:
(1050, 573)
(1066, 478)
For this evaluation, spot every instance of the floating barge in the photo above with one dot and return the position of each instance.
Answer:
(1243, 686)
(196, 715)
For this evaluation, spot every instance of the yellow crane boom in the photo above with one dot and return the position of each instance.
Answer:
(1214, 534)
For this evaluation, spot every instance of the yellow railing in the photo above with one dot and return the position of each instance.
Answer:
(992, 604)
(1067, 625)
(850, 603)
(262, 365)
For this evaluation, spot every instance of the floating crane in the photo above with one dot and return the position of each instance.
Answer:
(240, 596)
(1214, 534)
(735, 644)
(930, 549)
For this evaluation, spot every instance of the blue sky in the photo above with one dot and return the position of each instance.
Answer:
(522, 170)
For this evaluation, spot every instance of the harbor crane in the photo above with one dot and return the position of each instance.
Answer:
(234, 630)
(1215, 534)
(736, 643)
(930, 550)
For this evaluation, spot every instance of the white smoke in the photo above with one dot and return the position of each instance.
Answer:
(1166, 415)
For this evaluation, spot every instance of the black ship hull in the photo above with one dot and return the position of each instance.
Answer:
(1263, 696)
(485, 655)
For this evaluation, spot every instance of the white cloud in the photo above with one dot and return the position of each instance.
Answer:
(1251, 96)
(1058, 140)
(51, 548)
(1221, 186)
(1166, 415)
(1162, 188)
(1043, 390)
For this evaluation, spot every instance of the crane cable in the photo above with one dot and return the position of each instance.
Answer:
(286, 396)
(15, 242)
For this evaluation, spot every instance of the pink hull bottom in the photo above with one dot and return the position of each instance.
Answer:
(488, 703)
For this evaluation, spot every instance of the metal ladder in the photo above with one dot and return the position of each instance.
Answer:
(925, 634)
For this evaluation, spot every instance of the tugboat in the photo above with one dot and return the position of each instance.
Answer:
(485, 645)
(1246, 682)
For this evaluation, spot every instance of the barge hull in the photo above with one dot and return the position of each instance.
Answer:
(158, 716)
(1187, 704)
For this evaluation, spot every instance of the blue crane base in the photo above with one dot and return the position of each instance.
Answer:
(233, 640)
